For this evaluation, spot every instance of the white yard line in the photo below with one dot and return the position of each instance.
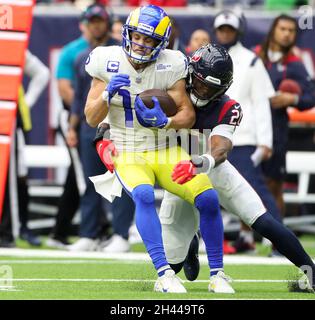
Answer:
(129, 257)
(9, 289)
(69, 261)
(142, 280)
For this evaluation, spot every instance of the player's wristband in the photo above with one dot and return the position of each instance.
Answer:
(102, 132)
(211, 161)
(203, 163)
(105, 96)
(169, 121)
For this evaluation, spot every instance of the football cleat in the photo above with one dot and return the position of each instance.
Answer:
(220, 283)
(57, 243)
(169, 283)
(242, 246)
(191, 263)
(83, 244)
(116, 244)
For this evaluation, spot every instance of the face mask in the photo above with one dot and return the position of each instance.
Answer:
(139, 59)
(198, 102)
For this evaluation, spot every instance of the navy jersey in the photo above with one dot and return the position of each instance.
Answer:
(221, 111)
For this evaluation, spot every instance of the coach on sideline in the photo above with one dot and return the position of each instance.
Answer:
(252, 140)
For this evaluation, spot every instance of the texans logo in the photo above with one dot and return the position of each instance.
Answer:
(195, 58)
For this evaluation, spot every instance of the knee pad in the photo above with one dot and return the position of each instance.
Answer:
(143, 193)
(206, 199)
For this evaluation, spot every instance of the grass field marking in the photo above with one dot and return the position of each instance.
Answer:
(9, 289)
(70, 261)
(143, 280)
(130, 256)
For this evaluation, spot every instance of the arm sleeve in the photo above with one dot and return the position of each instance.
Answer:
(261, 91)
(39, 75)
(307, 99)
(224, 130)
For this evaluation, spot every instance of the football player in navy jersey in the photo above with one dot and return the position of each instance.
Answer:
(210, 75)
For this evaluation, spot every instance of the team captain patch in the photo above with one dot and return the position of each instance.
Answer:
(113, 66)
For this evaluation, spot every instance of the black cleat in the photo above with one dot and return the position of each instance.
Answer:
(191, 263)
(7, 243)
(242, 246)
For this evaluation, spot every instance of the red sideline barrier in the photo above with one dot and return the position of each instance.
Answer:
(307, 116)
(15, 26)
(4, 160)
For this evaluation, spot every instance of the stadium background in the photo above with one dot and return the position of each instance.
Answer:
(53, 27)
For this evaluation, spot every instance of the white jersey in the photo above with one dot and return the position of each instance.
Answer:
(126, 132)
(180, 219)
(251, 88)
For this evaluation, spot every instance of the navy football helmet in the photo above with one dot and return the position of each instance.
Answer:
(210, 74)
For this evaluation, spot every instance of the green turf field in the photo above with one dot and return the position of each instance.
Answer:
(111, 279)
(87, 278)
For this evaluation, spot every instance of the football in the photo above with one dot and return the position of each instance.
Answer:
(167, 103)
(291, 86)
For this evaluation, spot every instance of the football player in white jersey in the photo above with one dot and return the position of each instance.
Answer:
(179, 219)
(142, 155)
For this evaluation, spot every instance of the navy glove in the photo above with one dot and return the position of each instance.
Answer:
(154, 117)
(116, 82)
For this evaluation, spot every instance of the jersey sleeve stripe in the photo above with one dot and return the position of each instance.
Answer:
(226, 108)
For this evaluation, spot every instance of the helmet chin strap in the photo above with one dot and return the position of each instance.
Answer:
(198, 102)
(141, 59)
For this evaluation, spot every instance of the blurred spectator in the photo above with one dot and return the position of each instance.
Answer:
(252, 141)
(117, 30)
(281, 63)
(55, 1)
(198, 39)
(39, 77)
(69, 200)
(308, 58)
(174, 42)
(98, 23)
(160, 3)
